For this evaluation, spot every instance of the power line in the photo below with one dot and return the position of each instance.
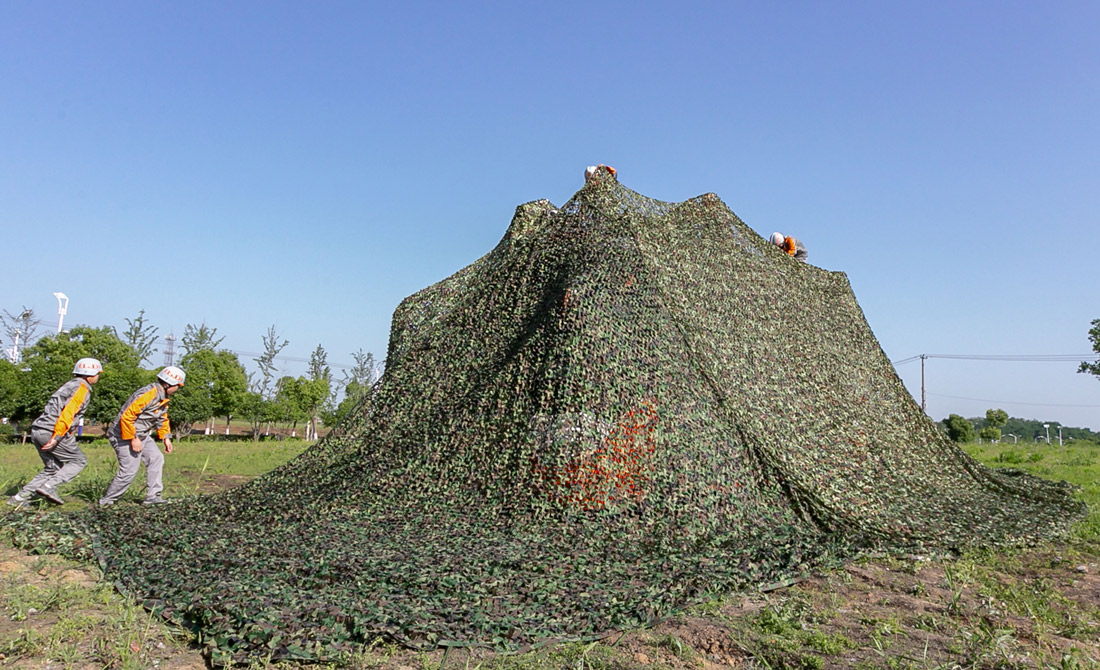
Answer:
(905, 360)
(1041, 358)
(289, 359)
(1010, 402)
(256, 354)
(1037, 358)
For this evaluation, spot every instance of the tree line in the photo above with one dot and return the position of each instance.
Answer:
(997, 425)
(218, 385)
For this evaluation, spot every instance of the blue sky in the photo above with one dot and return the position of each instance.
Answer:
(308, 165)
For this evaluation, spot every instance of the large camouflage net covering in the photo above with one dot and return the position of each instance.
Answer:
(625, 407)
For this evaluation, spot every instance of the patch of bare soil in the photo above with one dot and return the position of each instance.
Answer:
(215, 483)
(81, 631)
(918, 615)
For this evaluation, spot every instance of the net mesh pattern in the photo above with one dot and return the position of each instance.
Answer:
(626, 406)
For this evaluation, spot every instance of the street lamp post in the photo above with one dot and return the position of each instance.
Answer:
(62, 308)
(1059, 436)
(1046, 427)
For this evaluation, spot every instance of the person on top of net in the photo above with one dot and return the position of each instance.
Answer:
(52, 435)
(131, 436)
(791, 246)
(590, 171)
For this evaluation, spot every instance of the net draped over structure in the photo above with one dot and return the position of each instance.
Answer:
(627, 406)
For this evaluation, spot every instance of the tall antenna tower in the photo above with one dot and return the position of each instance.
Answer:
(170, 350)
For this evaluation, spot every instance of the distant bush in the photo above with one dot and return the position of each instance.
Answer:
(959, 429)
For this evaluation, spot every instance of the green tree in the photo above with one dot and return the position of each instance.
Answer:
(358, 384)
(140, 336)
(364, 372)
(261, 409)
(9, 387)
(996, 418)
(289, 401)
(216, 387)
(317, 390)
(192, 404)
(266, 362)
(959, 429)
(354, 393)
(1094, 337)
(197, 338)
(48, 364)
(990, 433)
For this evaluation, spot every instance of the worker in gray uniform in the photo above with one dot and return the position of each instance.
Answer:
(131, 435)
(52, 433)
(792, 246)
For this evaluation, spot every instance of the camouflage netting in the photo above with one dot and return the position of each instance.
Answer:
(627, 406)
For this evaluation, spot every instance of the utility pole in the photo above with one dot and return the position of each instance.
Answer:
(170, 350)
(16, 356)
(923, 396)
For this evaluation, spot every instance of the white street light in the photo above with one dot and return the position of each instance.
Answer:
(1059, 436)
(62, 308)
(1046, 427)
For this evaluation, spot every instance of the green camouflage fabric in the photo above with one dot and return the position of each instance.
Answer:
(625, 407)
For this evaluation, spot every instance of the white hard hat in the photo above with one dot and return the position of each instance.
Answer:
(591, 170)
(172, 375)
(87, 367)
(777, 238)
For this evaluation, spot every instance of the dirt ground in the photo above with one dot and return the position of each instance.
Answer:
(885, 614)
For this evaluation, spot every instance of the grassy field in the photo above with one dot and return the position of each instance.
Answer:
(195, 466)
(1033, 608)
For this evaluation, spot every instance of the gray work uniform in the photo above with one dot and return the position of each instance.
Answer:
(146, 411)
(59, 418)
(800, 253)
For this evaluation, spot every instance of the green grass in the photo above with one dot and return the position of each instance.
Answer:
(1076, 461)
(190, 469)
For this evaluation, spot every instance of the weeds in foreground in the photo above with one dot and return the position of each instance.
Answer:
(783, 634)
(75, 622)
